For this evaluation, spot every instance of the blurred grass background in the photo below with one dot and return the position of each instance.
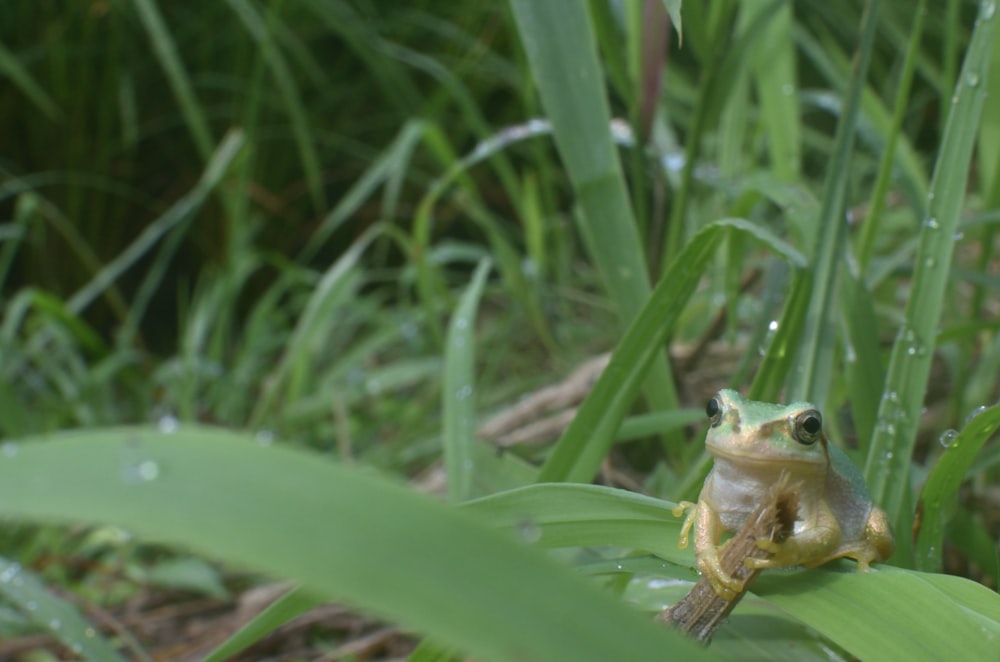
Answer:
(262, 215)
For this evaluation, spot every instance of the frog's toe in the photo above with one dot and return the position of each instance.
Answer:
(725, 585)
(768, 545)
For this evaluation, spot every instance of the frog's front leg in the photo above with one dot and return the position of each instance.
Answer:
(814, 544)
(708, 530)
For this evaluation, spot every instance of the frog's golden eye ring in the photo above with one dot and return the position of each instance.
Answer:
(714, 411)
(808, 427)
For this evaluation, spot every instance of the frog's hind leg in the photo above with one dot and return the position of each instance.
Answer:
(816, 543)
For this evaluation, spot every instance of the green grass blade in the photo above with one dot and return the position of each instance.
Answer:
(941, 488)
(774, 73)
(257, 27)
(580, 450)
(459, 389)
(343, 533)
(60, 618)
(293, 603)
(218, 163)
(864, 370)
(11, 69)
(559, 41)
(180, 84)
(312, 325)
(811, 377)
(866, 244)
(888, 465)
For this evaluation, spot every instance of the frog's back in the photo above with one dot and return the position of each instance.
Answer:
(847, 496)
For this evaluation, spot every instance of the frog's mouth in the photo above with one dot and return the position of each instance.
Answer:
(770, 458)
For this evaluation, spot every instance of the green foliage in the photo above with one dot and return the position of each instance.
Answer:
(359, 228)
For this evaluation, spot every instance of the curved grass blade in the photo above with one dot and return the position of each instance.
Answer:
(60, 618)
(180, 83)
(262, 34)
(558, 37)
(811, 378)
(579, 452)
(571, 515)
(297, 601)
(16, 73)
(343, 533)
(941, 488)
(459, 380)
(888, 465)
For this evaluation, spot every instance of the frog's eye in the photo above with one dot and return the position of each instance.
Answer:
(808, 427)
(714, 411)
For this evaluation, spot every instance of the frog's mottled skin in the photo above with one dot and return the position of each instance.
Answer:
(753, 444)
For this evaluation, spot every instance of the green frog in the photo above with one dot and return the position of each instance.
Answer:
(754, 444)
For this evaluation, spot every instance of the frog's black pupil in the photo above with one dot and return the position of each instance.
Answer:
(811, 424)
(712, 408)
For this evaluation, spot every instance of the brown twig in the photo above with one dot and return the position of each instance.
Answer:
(702, 610)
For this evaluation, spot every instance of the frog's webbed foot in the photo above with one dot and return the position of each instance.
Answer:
(725, 585)
(810, 551)
(692, 514)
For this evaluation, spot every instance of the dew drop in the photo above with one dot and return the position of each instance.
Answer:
(10, 572)
(932, 223)
(463, 392)
(9, 449)
(947, 438)
(148, 470)
(930, 263)
(264, 437)
(55, 624)
(972, 79)
(987, 9)
(461, 323)
(976, 411)
(90, 633)
(409, 330)
(529, 531)
(168, 424)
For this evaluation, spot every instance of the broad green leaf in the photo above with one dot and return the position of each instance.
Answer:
(343, 533)
(890, 614)
(572, 515)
